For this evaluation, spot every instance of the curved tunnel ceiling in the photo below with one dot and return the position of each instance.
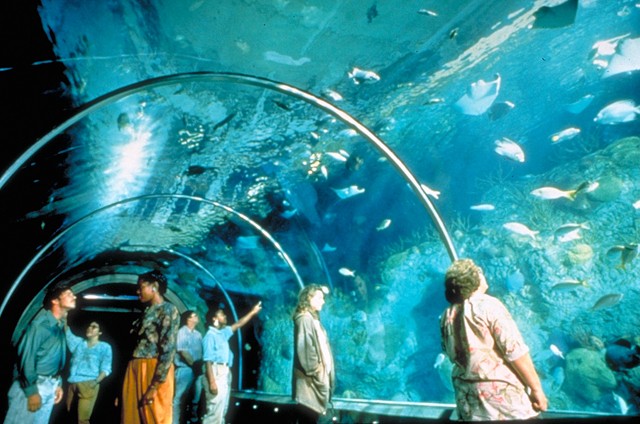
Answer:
(450, 88)
(267, 185)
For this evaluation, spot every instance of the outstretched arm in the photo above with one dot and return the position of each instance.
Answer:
(245, 319)
(527, 372)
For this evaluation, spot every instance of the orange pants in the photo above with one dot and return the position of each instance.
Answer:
(137, 380)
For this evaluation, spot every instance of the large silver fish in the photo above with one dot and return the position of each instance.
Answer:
(607, 301)
(618, 112)
(520, 229)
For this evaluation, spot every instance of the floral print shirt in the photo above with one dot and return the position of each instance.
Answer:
(481, 339)
(157, 331)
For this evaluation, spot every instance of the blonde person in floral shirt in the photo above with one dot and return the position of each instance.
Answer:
(147, 391)
(493, 375)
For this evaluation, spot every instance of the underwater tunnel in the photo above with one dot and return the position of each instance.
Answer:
(249, 149)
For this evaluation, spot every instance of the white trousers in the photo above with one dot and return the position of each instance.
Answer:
(217, 404)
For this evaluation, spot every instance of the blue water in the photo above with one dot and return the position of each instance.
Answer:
(272, 162)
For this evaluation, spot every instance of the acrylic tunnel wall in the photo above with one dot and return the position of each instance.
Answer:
(238, 188)
(514, 129)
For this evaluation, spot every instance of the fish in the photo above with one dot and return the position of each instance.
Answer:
(224, 121)
(338, 156)
(361, 287)
(627, 253)
(509, 149)
(439, 360)
(430, 192)
(569, 284)
(556, 351)
(444, 367)
(622, 404)
(569, 236)
(347, 272)
(500, 109)
(345, 193)
(568, 232)
(434, 101)
(328, 248)
(479, 96)
(558, 376)
(349, 132)
(282, 105)
(289, 213)
(566, 134)
(282, 59)
(124, 122)
(561, 15)
(483, 207)
(362, 76)
(607, 301)
(247, 242)
(618, 112)
(622, 355)
(427, 12)
(372, 13)
(333, 95)
(636, 204)
(552, 193)
(302, 196)
(606, 47)
(383, 225)
(626, 58)
(579, 105)
(520, 229)
(196, 170)
(324, 171)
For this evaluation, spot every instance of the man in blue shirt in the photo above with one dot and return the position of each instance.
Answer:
(41, 357)
(188, 367)
(90, 364)
(218, 358)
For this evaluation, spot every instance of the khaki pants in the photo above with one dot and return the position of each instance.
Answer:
(86, 393)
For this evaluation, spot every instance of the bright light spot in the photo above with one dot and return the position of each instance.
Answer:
(128, 160)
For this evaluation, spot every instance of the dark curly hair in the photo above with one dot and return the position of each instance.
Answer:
(155, 277)
(461, 280)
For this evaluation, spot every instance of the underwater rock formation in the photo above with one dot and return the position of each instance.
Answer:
(588, 378)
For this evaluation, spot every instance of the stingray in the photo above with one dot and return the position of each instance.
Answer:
(303, 197)
(625, 59)
(558, 16)
(479, 97)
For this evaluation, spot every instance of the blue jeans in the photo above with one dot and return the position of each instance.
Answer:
(184, 380)
(18, 412)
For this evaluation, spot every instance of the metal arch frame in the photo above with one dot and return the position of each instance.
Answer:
(58, 236)
(283, 88)
(204, 269)
(197, 264)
